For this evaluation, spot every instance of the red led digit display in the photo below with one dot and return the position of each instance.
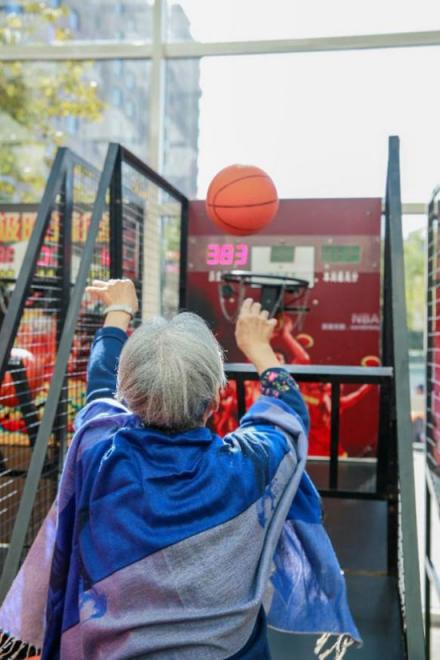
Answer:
(227, 254)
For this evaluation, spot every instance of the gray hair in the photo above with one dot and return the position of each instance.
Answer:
(171, 371)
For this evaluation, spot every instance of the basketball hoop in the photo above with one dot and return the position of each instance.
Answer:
(279, 293)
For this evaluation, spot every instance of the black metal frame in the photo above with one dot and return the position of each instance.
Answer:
(432, 479)
(403, 430)
(60, 180)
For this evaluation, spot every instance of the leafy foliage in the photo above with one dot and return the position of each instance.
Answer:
(36, 98)
(414, 248)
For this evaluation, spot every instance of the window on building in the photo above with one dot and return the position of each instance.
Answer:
(85, 116)
(117, 97)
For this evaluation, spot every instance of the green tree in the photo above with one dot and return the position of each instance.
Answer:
(414, 249)
(35, 99)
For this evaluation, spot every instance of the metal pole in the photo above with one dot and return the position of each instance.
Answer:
(413, 608)
(64, 276)
(427, 584)
(184, 221)
(156, 89)
(116, 216)
(241, 397)
(334, 436)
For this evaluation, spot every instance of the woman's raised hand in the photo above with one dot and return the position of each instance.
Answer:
(119, 293)
(115, 292)
(253, 333)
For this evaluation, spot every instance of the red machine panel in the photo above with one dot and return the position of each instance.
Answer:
(334, 244)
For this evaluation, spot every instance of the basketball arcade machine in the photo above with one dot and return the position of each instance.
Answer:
(317, 267)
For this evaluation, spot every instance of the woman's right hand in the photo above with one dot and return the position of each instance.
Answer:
(253, 333)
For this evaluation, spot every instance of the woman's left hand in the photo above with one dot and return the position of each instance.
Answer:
(115, 292)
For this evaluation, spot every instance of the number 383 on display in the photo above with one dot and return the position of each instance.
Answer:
(227, 254)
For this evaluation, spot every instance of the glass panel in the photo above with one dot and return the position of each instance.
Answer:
(170, 258)
(240, 20)
(318, 123)
(415, 250)
(181, 130)
(82, 105)
(151, 225)
(24, 22)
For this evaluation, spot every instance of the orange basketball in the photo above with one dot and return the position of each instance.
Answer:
(242, 199)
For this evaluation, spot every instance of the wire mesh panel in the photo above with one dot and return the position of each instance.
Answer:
(90, 316)
(432, 454)
(151, 240)
(433, 356)
(31, 363)
(24, 387)
(134, 203)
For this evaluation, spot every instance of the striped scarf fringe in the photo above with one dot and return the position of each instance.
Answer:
(339, 647)
(15, 649)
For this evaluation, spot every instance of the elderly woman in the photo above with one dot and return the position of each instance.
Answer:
(169, 539)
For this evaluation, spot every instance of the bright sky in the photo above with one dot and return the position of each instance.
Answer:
(229, 20)
(318, 123)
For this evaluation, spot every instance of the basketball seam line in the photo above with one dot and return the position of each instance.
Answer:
(228, 224)
(241, 206)
(242, 178)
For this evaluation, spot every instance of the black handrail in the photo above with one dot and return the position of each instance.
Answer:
(335, 376)
(318, 373)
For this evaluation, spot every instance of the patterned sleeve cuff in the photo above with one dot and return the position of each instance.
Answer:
(276, 382)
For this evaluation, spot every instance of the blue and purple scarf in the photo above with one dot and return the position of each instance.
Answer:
(166, 545)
